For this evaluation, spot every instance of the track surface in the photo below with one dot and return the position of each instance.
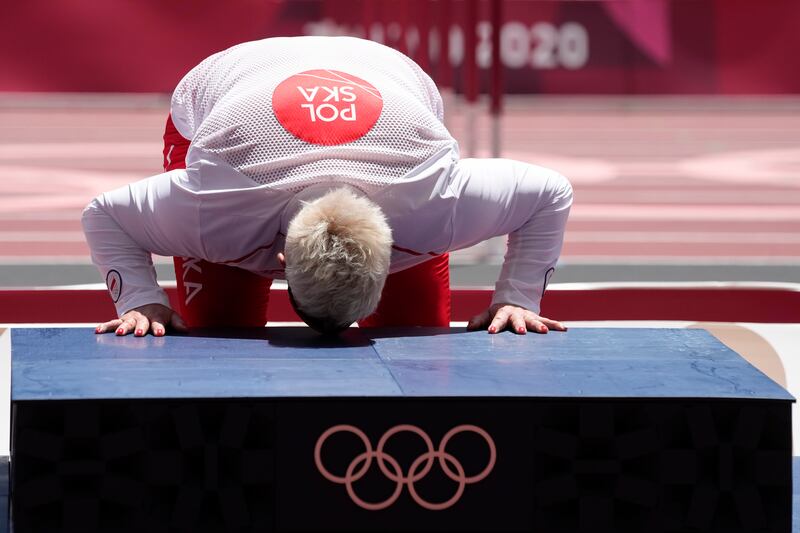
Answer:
(658, 181)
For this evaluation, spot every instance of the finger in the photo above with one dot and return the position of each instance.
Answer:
(536, 325)
(105, 327)
(177, 323)
(157, 328)
(142, 326)
(478, 321)
(499, 321)
(552, 324)
(518, 323)
(126, 326)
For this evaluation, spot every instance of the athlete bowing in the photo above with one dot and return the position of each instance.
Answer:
(323, 161)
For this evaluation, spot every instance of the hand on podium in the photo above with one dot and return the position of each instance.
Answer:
(151, 317)
(506, 316)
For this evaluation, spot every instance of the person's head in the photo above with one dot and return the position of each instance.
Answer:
(337, 259)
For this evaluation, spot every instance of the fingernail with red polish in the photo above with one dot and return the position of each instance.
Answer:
(139, 333)
(98, 329)
(492, 329)
(120, 331)
(520, 330)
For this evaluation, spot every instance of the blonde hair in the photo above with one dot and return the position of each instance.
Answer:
(337, 258)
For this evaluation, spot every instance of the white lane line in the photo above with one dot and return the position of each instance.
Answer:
(66, 259)
(571, 236)
(42, 236)
(726, 285)
(48, 216)
(674, 260)
(680, 237)
(683, 212)
(79, 150)
(672, 197)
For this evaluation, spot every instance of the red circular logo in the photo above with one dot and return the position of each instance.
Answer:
(326, 106)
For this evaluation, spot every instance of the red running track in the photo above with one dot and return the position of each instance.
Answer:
(776, 304)
(658, 179)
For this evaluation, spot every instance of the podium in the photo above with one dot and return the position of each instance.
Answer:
(279, 429)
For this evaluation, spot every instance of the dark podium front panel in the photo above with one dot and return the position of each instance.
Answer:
(418, 430)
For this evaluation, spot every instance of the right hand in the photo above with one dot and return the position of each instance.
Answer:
(150, 317)
(500, 317)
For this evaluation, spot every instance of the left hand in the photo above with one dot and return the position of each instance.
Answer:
(148, 317)
(517, 319)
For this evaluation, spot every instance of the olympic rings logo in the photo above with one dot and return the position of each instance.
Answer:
(418, 470)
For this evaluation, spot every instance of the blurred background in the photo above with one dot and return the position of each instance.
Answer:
(676, 120)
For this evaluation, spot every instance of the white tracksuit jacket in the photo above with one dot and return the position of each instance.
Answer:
(279, 121)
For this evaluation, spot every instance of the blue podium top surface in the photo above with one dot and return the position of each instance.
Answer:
(75, 364)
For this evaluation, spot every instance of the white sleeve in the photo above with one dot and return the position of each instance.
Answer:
(530, 204)
(124, 226)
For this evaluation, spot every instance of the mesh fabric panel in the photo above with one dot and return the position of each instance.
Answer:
(224, 105)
